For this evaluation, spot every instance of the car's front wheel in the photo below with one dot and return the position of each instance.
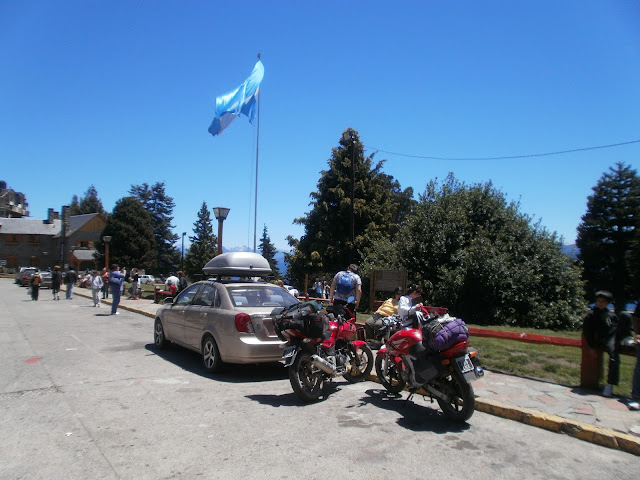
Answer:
(211, 355)
(158, 335)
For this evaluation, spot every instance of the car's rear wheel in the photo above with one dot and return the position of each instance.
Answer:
(211, 355)
(158, 335)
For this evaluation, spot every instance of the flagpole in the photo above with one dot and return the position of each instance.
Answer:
(255, 209)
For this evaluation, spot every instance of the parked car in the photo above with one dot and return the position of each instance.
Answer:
(147, 279)
(25, 276)
(45, 279)
(226, 321)
(292, 290)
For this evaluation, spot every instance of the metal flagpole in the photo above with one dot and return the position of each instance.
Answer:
(255, 209)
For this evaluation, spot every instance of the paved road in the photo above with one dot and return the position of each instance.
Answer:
(85, 395)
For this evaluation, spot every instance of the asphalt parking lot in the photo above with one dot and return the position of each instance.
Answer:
(86, 395)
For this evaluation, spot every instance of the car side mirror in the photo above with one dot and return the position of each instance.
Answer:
(168, 300)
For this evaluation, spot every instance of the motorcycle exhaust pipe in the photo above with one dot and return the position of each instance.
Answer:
(323, 365)
(479, 372)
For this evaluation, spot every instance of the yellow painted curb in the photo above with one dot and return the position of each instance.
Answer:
(582, 431)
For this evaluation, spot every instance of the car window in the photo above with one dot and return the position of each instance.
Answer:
(187, 295)
(207, 297)
(260, 296)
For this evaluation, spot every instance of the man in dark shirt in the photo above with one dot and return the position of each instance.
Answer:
(70, 280)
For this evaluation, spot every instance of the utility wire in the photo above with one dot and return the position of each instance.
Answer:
(512, 157)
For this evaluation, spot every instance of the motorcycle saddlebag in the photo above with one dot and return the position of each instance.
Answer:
(303, 318)
(438, 336)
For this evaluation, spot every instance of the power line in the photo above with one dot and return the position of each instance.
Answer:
(512, 157)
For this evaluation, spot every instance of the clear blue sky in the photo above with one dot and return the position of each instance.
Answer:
(115, 93)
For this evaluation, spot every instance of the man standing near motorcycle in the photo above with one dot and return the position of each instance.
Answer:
(347, 285)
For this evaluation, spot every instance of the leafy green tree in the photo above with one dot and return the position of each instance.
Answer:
(477, 255)
(160, 206)
(268, 251)
(132, 244)
(203, 244)
(607, 236)
(380, 206)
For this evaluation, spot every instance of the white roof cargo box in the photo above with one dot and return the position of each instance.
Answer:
(238, 264)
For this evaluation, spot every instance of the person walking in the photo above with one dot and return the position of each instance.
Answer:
(105, 283)
(116, 281)
(182, 281)
(96, 287)
(135, 284)
(634, 404)
(56, 281)
(35, 282)
(70, 280)
(346, 288)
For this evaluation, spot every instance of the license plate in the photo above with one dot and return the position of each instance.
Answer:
(464, 363)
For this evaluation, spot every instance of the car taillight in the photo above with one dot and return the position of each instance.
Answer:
(243, 323)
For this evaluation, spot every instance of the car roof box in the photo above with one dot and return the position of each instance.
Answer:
(238, 264)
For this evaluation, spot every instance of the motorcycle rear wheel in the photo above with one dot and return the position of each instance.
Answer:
(306, 380)
(392, 381)
(462, 403)
(360, 368)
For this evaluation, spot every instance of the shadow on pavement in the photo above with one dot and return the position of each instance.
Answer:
(415, 416)
(231, 373)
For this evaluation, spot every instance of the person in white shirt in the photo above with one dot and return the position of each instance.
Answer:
(405, 304)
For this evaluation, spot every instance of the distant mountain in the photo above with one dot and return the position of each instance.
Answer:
(279, 257)
(571, 249)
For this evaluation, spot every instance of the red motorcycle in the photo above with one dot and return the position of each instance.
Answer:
(408, 358)
(320, 347)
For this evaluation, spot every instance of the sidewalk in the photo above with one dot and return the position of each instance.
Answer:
(581, 413)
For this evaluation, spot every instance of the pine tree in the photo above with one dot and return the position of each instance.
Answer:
(90, 203)
(74, 208)
(379, 207)
(607, 234)
(132, 244)
(160, 207)
(268, 251)
(203, 244)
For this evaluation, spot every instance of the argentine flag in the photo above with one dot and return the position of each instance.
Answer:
(242, 100)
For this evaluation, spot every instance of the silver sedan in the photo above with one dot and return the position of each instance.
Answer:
(224, 321)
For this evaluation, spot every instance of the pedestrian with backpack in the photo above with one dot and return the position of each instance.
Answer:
(346, 288)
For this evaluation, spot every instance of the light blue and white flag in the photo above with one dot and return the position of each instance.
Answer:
(242, 100)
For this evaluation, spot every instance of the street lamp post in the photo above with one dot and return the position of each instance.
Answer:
(221, 215)
(107, 240)
(182, 261)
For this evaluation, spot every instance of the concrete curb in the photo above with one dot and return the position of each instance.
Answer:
(120, 307)
(582, 431)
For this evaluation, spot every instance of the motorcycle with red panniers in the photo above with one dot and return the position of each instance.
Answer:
(321, 346)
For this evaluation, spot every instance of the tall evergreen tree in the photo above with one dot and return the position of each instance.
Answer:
(203, 244)
(90, 203)
(160, 206)
(74, 208)
(268, 251)
(132, 244)
(379, 207)
(606, 236)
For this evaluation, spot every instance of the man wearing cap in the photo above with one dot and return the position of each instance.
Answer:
(599, 328)
(346, 288)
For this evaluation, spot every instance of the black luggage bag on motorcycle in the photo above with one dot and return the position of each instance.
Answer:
(305, 318)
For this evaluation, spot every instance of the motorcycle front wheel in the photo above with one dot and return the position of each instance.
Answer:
(359, 368)
(461, 403)
(392, 381)
(306, 380)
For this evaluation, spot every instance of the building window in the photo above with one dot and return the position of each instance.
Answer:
(12, 261)
(13, 238)
(33, 239)
(83, 244)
